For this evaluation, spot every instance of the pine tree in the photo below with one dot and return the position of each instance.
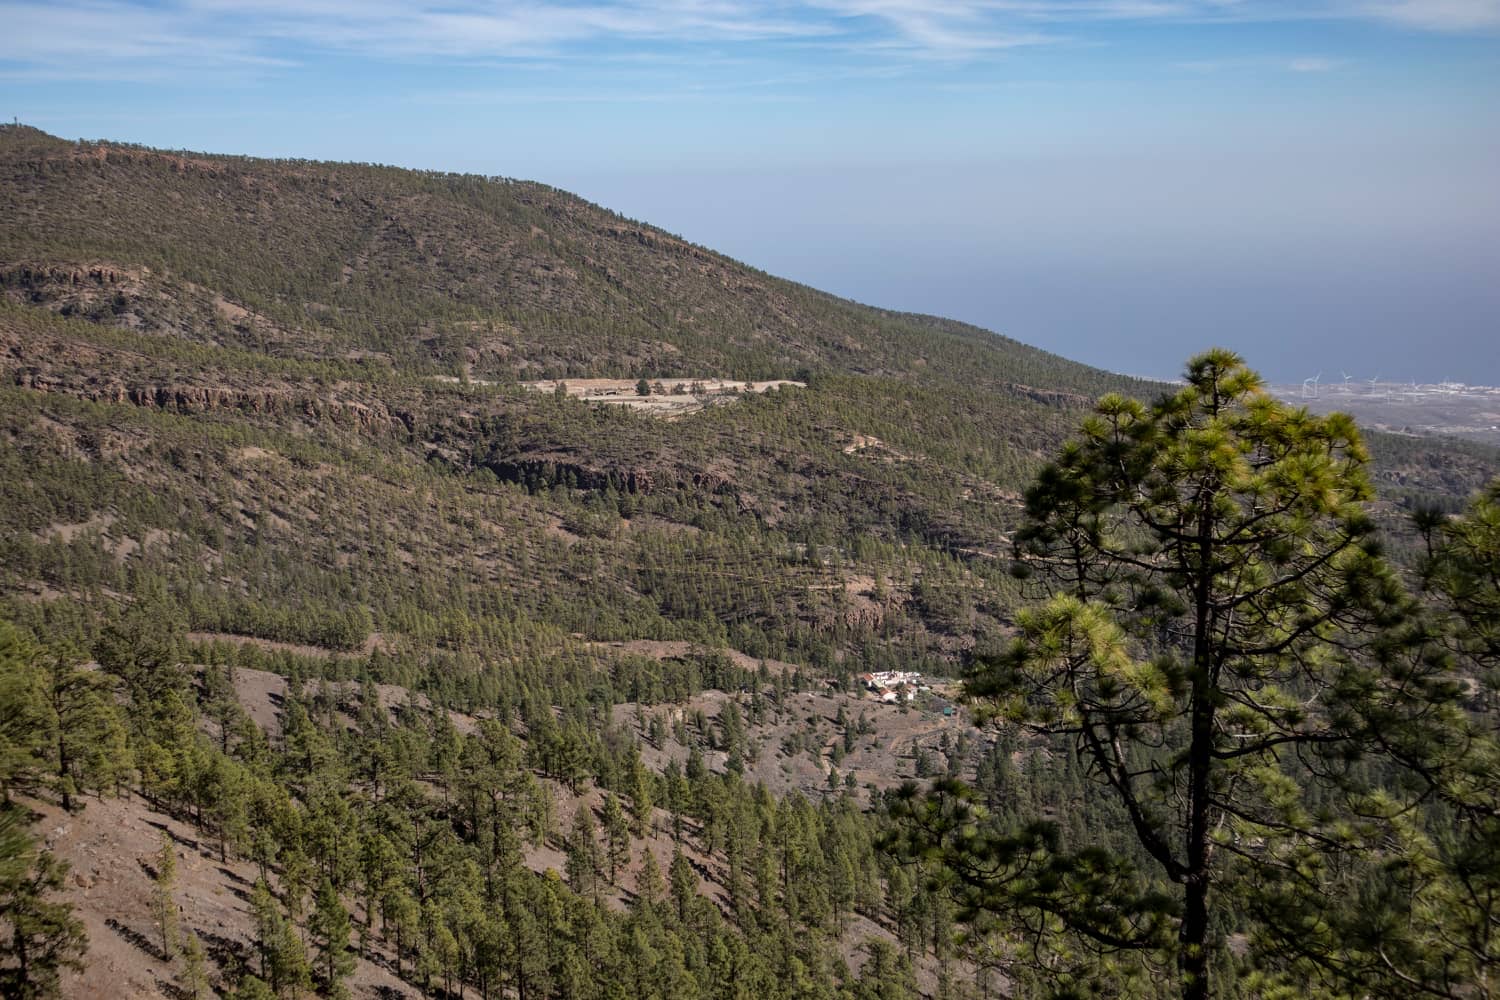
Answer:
(616, 837)
(23, 714)
(641, 796)
(253, 988)
(583, 853)
(263, 911)
(329, 929)
(649, 887)
(1209, 562)
(87, 749)
(401, 916)
(219, 789)
(283, 960)
(194, 967)
(39, 937)
(291, 973)
(1426, 897)
(887, 974)
(163, 905)
(220, 702)
(684, 883)
(143, 647)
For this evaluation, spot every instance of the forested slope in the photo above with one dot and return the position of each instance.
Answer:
(229, 442)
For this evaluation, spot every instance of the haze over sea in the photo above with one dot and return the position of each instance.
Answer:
(1121, 181)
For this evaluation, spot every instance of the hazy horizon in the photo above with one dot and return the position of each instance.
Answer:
(1123, 182)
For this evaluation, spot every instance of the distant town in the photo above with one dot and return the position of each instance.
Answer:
(1317, 387)
(1454, 409)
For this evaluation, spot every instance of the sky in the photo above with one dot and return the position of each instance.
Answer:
(1315, 184)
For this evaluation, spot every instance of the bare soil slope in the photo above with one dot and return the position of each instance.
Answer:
(110, 847)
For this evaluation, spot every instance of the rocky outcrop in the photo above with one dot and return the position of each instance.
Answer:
(1052, 397)
(36, 276)
(371, 417)
(544, 472)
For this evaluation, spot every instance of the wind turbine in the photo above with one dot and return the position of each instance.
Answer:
(1374, 383)
(1310, 386)
(1347, 377)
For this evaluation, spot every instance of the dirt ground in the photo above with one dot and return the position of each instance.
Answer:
(373, 641)
(111, 843)
(260, 694)
(110, 847)
(881, 758)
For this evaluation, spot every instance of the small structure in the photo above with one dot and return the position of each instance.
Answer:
(890, 686)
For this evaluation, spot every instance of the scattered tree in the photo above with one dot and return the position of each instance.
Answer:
(329, 929)
(194, 966)
(39, 937)
(163, 884)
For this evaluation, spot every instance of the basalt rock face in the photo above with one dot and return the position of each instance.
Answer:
(545, 471)
(860, 614)
(1051, 397)
(366, 417)
(148, 300)
(105, 292)
(33, 277)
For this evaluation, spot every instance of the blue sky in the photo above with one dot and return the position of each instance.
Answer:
(1316, 184)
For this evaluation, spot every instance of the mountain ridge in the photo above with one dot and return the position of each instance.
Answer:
(554, 251)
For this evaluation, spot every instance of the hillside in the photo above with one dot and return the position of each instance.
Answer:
(287, 306)
(437, 272)
(270, 423)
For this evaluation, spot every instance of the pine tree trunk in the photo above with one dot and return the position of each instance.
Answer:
(1192, 958)
(1192, 961)
(62, 768)
(18, 941)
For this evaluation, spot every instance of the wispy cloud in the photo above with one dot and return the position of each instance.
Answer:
(1439, 15)
(1262, 64)
(98, 38)
(1313, 64)
(101, 34)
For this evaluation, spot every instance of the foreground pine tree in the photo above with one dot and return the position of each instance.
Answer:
(1420, 912)
(1210, 583)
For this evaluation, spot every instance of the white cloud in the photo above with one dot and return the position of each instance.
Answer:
(1439, 15)
(86, 37)
(131, 37)
(1313, 64)
(193, 32)
(1294, 64)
